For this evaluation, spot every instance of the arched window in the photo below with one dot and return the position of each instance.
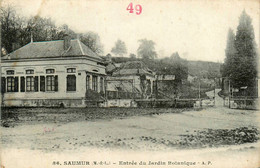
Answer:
(71, 70)
(10, 72)
(50, 71)
(29, 71)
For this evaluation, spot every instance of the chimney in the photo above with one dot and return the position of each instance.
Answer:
(67, 40)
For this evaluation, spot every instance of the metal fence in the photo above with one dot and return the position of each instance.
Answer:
(122, 95)
(241, 102)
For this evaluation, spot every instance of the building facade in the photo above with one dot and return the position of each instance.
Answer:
(52, 73)
(132, 77)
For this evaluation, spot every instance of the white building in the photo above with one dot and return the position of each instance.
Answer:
(51, 73)
(132, 77)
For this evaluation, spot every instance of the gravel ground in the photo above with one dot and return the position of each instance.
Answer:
(22, 116)
(152, 130)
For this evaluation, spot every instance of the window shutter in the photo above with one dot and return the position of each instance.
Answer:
(3, 89)
(16, 84)
(36, 81)
(56, 84)
(22, 84)
(42, 83)
(74, 84)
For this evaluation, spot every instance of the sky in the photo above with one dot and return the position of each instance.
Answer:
(197, 30)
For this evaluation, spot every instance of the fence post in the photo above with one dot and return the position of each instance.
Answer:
(229, 96)
(214, 91)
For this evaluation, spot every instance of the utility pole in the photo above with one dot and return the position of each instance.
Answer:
(229, 96)
(214, 91)
(132, 89)
(156, 94)
(199, 94)
(256, 88)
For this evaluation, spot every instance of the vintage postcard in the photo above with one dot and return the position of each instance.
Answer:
(129, 83)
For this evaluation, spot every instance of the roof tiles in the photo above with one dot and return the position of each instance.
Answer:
(48, 49)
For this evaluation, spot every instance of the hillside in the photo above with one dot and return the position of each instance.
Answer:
(203, 69)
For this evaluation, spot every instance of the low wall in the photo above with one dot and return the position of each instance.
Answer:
(166, 103)
(44, 103)
(250, 104)
(241, 103)
(204, 103)
(119, 103)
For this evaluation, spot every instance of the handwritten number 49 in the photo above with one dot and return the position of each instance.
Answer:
(138, 8)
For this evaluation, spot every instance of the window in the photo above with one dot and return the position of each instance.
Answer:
(94, 83)
(50, 71)
(50, 83)
(71, 70)
(29, 83)
(71, 80)
(10, 84)
(71, 83)
(10, 72)
(88, 82)
(101, 84)
(30, 71)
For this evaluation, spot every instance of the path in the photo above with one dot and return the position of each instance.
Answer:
(121, 139)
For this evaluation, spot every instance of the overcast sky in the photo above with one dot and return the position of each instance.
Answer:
(196, 29)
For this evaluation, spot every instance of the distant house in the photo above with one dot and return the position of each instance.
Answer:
(51, 73)
(132, 76)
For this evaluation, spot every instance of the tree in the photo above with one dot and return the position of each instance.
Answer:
(132, 56)
(176, 66)
(17, 31)
(230, 54)
(43, 29)
(146, 50)
(244, 66)
(11, 25)
(119, 49)
(92, 40)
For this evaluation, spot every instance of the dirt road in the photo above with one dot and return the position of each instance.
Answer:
(136, 138)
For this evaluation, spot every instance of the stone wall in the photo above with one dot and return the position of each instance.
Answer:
(44, 103)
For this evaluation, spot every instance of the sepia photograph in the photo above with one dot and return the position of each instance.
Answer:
(129, 83)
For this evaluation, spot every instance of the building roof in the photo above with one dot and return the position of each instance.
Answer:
(133, 68)
(49, 49)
